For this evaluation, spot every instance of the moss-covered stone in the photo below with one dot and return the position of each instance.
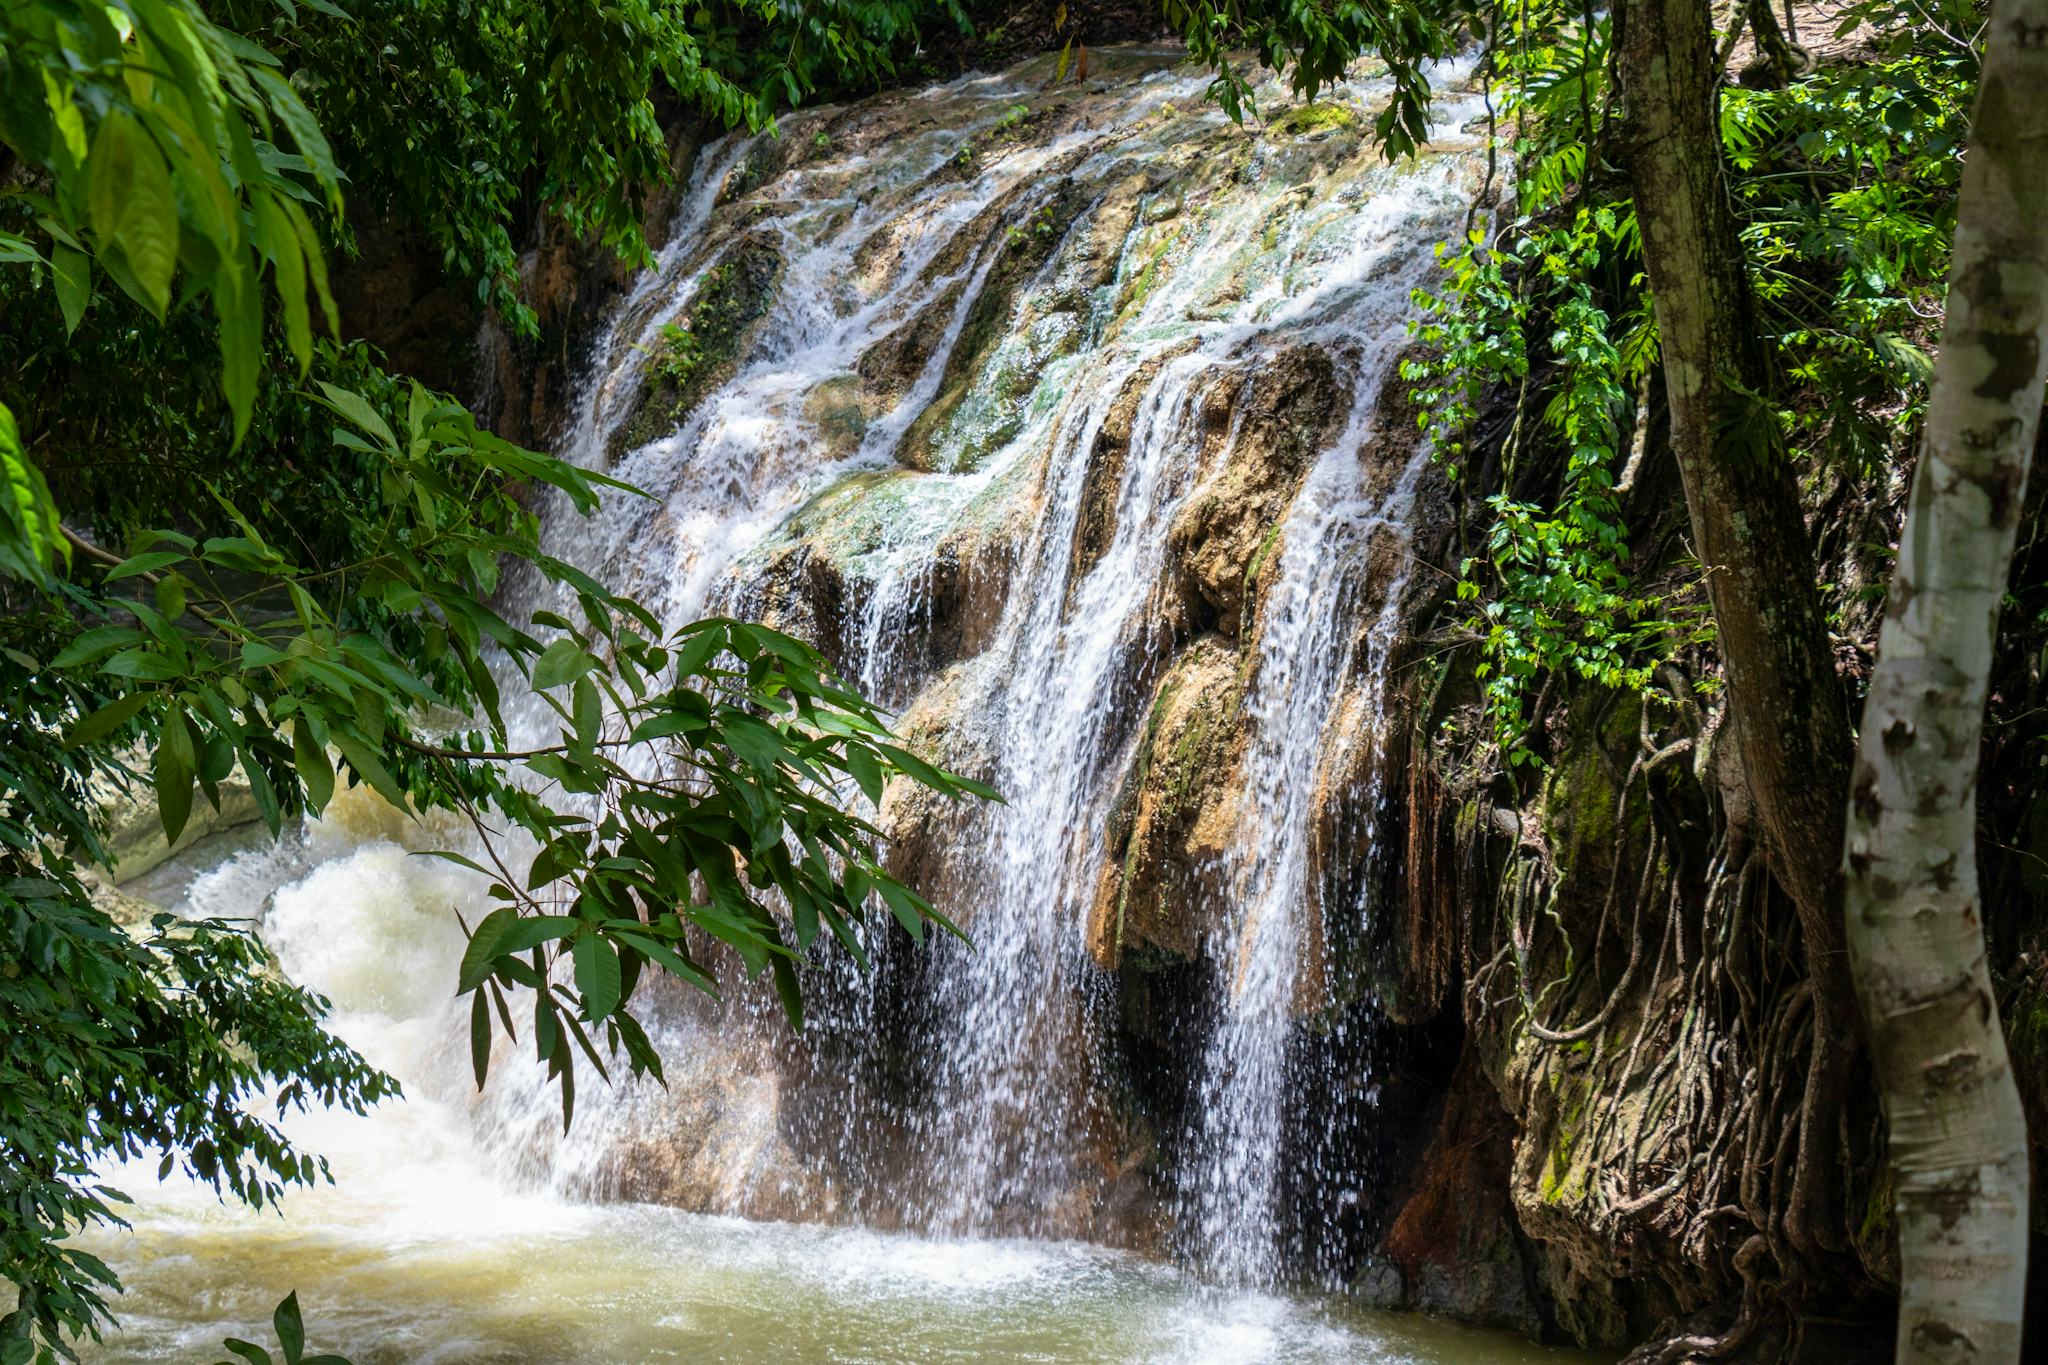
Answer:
(701, 349)
(1175, 818)
(1307, 120)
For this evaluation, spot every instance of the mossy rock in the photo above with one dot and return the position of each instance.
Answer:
(1310, 120)
(935, 441)
(762, 162)
(703, 348)
(1175, 819)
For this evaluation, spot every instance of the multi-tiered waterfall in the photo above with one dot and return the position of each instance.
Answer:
(1067, 419)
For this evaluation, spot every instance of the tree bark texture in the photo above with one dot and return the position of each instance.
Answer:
(1789, 713)
(1916, 936)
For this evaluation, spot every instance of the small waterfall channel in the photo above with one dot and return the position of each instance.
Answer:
(1066, 420)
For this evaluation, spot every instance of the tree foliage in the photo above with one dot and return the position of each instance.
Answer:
(1316, 45)
(1844, 183)
(464, 115)
(231, 544)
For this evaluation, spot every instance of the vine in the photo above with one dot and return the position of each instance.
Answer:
(1550, 592)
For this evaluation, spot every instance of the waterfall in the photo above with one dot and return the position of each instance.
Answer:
(1036, 406)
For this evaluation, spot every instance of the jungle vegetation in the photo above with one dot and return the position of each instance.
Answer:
(1820, 268)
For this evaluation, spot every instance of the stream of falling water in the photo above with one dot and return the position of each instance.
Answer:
(962, 298)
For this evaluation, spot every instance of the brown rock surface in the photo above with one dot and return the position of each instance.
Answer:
(1160, 881)
(1266, 429)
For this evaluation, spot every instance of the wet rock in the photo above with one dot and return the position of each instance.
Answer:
(888, 369)
(714, 1147)
(837, 415)
(1265, 430)
(821, 575)
(131, 912)
(1108, 227)
(1095, 521)
(928, 835)
(799, 590)
(701, 349)
(1176, 817)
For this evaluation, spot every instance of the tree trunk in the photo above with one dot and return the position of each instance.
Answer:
(1916, 938)
(1787, 706)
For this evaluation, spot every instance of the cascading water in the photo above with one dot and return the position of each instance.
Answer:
(1027, 304)
(1057, 418)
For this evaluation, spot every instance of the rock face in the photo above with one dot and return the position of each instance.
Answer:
(1054, 396)
(1267, 428)
(1171, 835)
(135, 834)
(1455, 1247)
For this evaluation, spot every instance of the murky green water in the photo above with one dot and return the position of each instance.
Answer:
(457, 1274)
(422, 1252)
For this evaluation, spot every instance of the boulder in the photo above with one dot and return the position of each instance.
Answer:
(134, 832)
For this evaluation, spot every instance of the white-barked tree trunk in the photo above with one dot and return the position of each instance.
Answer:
(1915, 924)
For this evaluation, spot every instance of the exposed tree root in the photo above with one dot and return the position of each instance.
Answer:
(1663, 1031)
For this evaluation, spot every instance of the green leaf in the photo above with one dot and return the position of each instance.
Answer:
(31, 535)
(71, 272)
(447, 856)
(663, 724)
(903, 905)
(555, 858)
(289, 273)
(248, 1350)
(108, 718)
(480, 1037)
(561, 662)
(94, 644)
(671, 960)
(357, 410)
(483, 948)
(170, 596)
(532, 930)
(588, 713)
(791, 995)
(860, 761)
(135, 209)
(310, 756)
(597, 974)
(176, 764)
(142, 663)
(692, 657)
(238, 304)
(143, 563)
(264, 793)
(291, 1330)
(305, 129)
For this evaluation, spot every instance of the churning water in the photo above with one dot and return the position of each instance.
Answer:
(988, 356)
